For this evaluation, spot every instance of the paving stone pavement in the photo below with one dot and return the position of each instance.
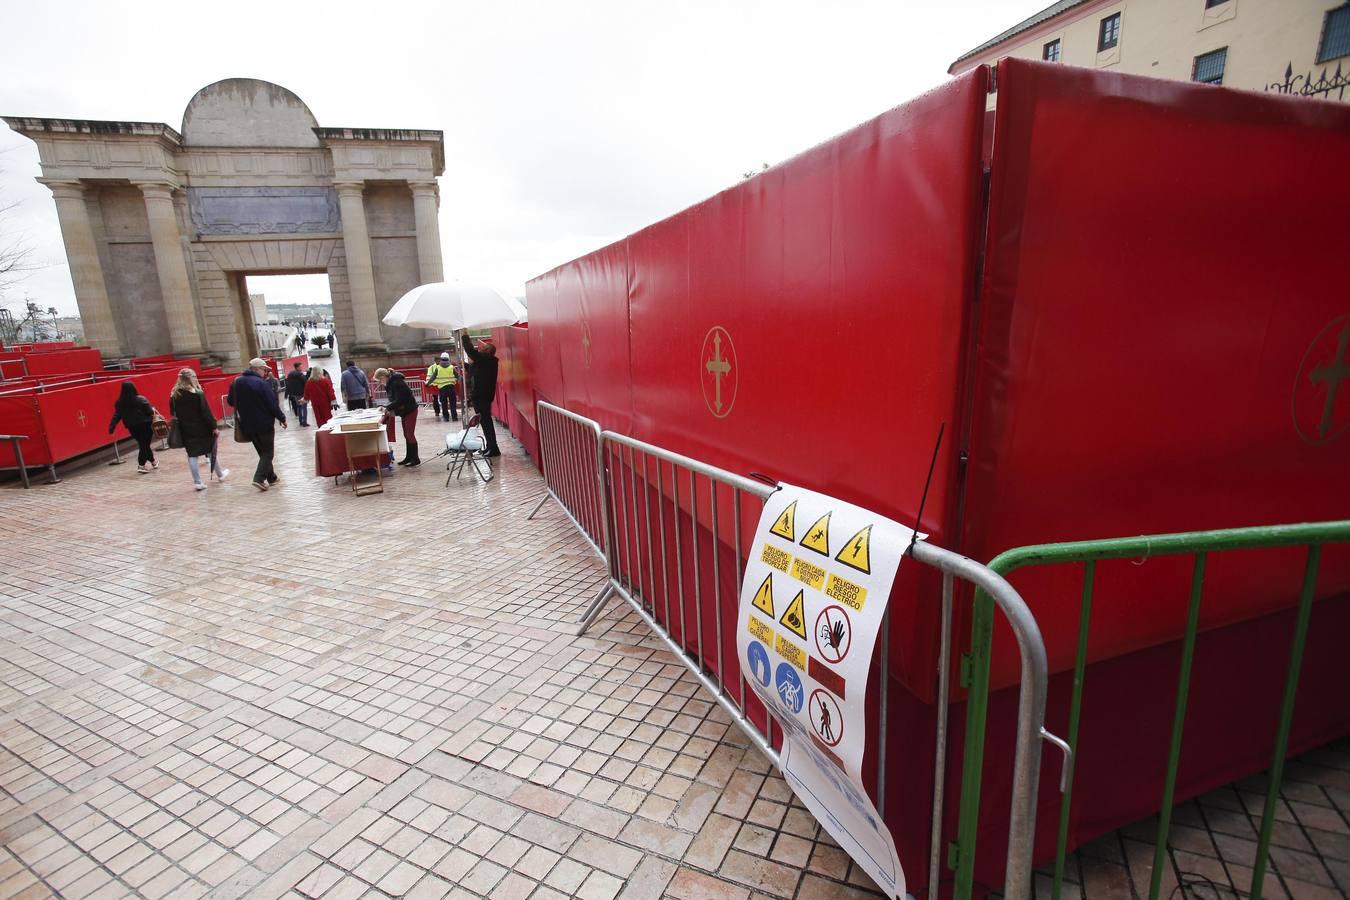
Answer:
(306, 693)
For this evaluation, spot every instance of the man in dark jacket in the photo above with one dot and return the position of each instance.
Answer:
(483, 388)
(256, 409)
(295, 393)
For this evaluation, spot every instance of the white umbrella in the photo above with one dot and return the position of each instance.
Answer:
(455, 305)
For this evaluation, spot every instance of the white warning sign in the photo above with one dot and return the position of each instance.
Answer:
(819, 647)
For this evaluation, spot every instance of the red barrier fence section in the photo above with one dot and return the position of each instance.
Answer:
(1134, 377)
(1124, 353)
(810, 324)
(51, 362)
(66, 422)
(515, 395)
(810, 320)
(1149, 354)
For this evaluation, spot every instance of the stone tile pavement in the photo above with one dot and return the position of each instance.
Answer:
(306, 693)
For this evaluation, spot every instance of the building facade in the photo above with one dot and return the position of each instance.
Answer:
(1291, 46)
(162, 227)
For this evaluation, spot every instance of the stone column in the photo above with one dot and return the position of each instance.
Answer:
(86, 272)
(174, 283)
(360, 270)
(426, 200)
(428, 231)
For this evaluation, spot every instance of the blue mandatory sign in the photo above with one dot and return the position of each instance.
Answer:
(789, 685)
(759, 662)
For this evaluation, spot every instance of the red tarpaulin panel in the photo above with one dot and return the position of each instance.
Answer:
(52, 362)
(1147, 356)
(65, 422)
(809, 324)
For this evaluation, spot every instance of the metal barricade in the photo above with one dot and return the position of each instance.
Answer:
(673, 539)
(1199, 545)
(569, 451)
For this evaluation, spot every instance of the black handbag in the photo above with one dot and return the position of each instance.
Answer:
(175, 434)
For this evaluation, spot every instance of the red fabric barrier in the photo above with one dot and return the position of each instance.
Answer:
(1134, 377)
(67, 422)
(877, 226)
(19, 415)
(514, 401)
(53, 362)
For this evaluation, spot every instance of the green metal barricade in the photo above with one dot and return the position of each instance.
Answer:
(1198, 544)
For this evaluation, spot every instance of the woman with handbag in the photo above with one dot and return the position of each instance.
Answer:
(194, 426)
(136, 413)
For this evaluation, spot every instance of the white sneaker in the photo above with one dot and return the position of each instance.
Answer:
(222, 474)
(199, 486)
(154, 464)
(142, 470)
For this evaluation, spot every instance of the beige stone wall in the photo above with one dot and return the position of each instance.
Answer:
(1161, 38)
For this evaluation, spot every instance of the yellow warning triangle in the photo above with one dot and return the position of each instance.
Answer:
(764, 596)
(855, 552)
(795, 617)
(785, 525)
(818, 536)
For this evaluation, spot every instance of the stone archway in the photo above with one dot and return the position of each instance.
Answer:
(158, 224)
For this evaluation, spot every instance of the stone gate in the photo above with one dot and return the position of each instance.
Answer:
(161, 227)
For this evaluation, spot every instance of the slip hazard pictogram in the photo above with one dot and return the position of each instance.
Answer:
(827, 720)
(785, 526)
(764, 596)
(718, 372)
(817, 538)
(1321, 404)
(856, 553)
(834, 634)
(795, 617)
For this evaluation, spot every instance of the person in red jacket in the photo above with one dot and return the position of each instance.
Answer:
(320, 394)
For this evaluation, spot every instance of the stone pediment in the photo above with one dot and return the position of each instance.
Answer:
(247, 112)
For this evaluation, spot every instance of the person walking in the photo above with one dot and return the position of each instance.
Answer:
(196, 426)
(295, 393)
(256, 410)
(441, 377)
(355, 387)
(135, 412)
(484, 388)
(403, 404)
(319, 393)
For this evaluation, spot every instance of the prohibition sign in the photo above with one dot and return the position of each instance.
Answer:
(834, 634)
(827, 719)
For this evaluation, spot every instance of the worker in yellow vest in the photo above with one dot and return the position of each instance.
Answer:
(442, 378)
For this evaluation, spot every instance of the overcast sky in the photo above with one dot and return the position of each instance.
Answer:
(567, 124)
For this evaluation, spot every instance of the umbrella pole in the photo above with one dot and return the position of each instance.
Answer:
(464, 371)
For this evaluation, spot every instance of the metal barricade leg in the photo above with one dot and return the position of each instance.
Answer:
(538, 506)
(593, 611)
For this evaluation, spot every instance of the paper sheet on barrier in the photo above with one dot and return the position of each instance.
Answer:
(815, 591)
